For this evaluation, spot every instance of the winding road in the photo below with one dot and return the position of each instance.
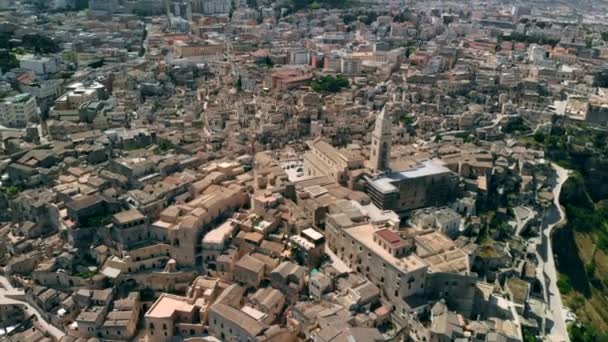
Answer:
(553, 216)
(8, 295)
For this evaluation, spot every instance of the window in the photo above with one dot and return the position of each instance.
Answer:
(165, 326)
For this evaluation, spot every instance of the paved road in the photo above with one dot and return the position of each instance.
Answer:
(559, 330)
(546, 271)
(8, 289)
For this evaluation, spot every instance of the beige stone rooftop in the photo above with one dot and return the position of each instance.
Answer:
(128, 216)
(365, 235)
(166, 305)
(247, 323)
(440, 253)
(251, 264)
(220, 234)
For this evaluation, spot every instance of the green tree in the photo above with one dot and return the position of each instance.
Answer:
(584, 333)
(11, 191)
(329, 84)
(8, 61)
(563, 284)
(40, 43)
(529, 336)
(239, 84)
(406, 120)
(314, 5)
(539, 137)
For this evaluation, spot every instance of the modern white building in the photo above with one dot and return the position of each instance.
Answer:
(299, 57)
(67, 105)
(211, 7)
(16, 111)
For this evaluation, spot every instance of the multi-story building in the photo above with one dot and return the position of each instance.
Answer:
(103, 6)
(299, 57)
(39, 65)
(408, 265)
(168, 314)
(215, 242)
(67, 106)
(211, 7)
(183, 226)
(18, 110)
(230, 324)
(325, 160)
(427, 183)
(45, 92)
(249, 271)
(290, 79)
(351, 66)
(384, 257)
(208, 50)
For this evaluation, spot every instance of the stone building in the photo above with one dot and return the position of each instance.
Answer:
(423, 184)
(384, 257)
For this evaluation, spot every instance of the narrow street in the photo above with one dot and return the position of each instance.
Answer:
(7, 289)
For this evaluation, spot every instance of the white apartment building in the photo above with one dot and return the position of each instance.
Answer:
(16, 111)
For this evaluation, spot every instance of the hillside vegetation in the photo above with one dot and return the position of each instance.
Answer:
(581, 245)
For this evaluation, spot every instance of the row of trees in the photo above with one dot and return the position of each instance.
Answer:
(523, 38)
(297, 5)
(34, 43)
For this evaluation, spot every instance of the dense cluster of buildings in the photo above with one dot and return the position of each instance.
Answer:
(180, 170)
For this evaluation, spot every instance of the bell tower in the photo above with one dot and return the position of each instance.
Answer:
(381, 142)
